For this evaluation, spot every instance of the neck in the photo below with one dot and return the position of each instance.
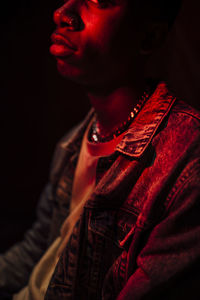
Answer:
(114, 106)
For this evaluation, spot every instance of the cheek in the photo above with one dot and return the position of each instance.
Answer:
(102, 30)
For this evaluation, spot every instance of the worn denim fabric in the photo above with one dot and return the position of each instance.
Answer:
(139, 234)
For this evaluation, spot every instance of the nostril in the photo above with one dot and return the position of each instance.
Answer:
(72, 21)
(63, 24)
(69, 19)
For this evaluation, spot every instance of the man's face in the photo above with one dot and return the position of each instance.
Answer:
(95, 41)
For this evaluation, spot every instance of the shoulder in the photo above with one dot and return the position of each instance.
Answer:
(186, 117)
(184, 120)
(185, 109)
(180, 131)
(177, 146)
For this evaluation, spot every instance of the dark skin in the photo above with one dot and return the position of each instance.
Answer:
(106, 51)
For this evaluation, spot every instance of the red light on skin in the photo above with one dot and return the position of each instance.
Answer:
(61, 50)
(100, 54)
(61, 46)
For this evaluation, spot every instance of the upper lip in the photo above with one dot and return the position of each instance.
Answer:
(58, 38)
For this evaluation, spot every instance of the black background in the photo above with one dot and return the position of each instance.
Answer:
(38, 106)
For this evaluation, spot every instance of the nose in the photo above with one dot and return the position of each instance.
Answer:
(68, 16)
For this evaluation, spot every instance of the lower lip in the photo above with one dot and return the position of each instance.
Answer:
(60, 50)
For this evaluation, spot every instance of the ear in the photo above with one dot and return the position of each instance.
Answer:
(154, 36)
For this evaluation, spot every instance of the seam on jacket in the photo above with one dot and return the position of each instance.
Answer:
(189, 173)
(186, 113)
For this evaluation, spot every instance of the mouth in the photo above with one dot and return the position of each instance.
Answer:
(61, 46)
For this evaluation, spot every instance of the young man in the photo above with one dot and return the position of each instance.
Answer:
(121, 210)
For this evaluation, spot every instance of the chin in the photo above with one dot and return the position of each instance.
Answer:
(74, 73)
(66, 70)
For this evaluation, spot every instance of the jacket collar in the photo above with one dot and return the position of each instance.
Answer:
(147, 122)
(141, 133)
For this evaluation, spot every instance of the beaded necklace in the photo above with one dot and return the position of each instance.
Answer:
(95, 135)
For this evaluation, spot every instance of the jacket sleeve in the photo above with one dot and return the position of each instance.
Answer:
(17, 263)
(168, 266)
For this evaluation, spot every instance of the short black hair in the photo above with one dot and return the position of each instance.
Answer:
(160, 10)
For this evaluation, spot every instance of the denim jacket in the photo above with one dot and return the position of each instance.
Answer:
(139, 233)
(138, 236)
